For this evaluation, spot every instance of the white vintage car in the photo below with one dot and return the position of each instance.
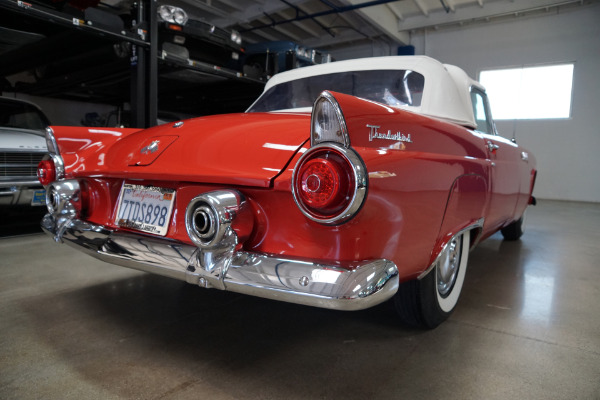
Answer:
(22, 146)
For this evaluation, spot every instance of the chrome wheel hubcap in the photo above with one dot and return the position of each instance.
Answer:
(447, 268)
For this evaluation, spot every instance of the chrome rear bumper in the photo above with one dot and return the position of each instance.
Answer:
(309, 283)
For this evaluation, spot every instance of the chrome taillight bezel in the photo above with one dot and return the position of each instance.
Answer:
(54, 155)
(356, 195)
(46, 172)
(59, 167)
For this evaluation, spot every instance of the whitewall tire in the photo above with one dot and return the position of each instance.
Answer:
(430, 301)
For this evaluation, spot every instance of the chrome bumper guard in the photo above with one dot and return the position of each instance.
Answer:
(272, 277)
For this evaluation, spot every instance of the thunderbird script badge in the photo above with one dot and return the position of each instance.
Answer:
(400, 137)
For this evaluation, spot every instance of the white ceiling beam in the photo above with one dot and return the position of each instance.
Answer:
(451, 5)
(421, 7)
(279, 28)
(254, 11)
(346, 18)
(396, 10)
(322, 21)
(301, 25)
(197, 9)
(233, 4)
(476, 12)
(386, 21)
(262, 34)
(339, 39)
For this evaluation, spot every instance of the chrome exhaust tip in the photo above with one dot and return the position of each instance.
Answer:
(52, 199)
(208, 217)
(60, 196)
(204, 222)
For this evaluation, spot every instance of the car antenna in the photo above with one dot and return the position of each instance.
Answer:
(514, 136)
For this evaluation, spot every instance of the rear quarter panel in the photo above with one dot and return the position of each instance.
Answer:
(410, 184)
(438, 177)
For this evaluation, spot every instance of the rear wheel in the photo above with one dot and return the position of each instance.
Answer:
(430, 301)
(515, 230)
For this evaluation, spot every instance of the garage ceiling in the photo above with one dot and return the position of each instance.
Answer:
(330, 24)
(47, 59)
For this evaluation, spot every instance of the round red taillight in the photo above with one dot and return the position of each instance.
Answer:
(324, 184)
(46, 172)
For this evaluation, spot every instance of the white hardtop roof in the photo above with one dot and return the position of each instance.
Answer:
(446, 94)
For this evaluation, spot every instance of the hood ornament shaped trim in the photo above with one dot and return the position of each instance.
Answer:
(151, 148)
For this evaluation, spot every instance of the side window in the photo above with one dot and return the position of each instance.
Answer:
(481, 112)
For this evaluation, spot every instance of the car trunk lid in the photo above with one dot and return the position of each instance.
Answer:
(238, 149)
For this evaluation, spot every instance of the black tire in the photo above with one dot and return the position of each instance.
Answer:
(515, 230)
(428, 302)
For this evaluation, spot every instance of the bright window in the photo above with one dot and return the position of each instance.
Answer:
(530, 92)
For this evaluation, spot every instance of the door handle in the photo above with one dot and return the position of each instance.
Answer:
(492, 147)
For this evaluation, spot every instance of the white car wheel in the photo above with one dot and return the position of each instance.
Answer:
(450, 272)
(430, 301)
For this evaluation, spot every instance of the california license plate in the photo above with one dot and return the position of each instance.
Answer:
(145, 208)
(38, 198)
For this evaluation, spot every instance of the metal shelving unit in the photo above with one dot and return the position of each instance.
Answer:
(145, 64)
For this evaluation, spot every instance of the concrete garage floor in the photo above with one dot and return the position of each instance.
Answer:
(527, 327)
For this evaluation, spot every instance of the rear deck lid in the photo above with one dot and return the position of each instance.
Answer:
(240, 149)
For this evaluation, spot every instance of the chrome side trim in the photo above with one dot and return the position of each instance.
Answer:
(477, 225)
(285, 279)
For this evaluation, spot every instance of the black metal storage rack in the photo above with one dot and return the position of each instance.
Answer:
(144, 60)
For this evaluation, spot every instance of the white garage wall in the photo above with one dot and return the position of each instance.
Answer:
(567, 151)
(365, 48)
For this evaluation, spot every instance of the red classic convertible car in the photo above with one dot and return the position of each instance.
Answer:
(343, 186)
